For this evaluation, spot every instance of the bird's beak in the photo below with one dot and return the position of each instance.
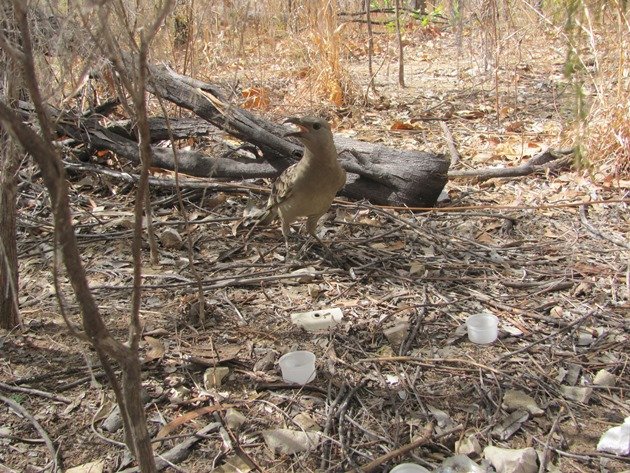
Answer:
(297, 122)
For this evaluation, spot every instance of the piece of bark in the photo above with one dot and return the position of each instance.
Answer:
(450, 142)
(386, 165)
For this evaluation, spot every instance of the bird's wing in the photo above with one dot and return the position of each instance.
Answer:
(280, 191)
(283, 186)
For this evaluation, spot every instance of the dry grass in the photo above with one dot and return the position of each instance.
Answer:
(309, 47)
(608, 121)
(326, 56)
(595, 34)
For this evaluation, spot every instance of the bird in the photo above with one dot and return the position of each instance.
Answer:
(308, 187)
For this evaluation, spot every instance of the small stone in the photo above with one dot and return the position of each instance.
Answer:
(576, 393)
(562, 373)
(179, 393)
(213, 376)
(396, 335)
(125, 223)
(313, 290)
(233, 464)
(467, 446)
(266, 362)
(171, 238)
(417, 267)
(92, 467)
(234, 419)
(514, 399)
(573, 373)
(307, 422)
(505, 460)
(584, 339)
(604, 378)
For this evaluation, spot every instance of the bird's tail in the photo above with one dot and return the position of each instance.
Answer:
(264, 218)
(267, 217)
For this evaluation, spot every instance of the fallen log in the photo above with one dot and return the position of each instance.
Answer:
(194, 163)
(377, 173)
(163, 129)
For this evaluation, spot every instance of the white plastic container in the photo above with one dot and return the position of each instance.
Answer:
(409, 468)
(298, 367)
(318, 319)
(482, 328)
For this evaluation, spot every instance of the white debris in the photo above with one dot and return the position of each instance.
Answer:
(616, 439)
(505, 460)
(318, 319)
(288, 442)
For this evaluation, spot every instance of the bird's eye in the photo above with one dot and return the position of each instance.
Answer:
(316, 126)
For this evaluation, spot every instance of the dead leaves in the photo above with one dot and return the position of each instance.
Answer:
(398, 125)
(255, 98)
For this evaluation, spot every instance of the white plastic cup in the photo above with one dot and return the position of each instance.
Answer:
(482, 328)
(409, 468)
(298, 367)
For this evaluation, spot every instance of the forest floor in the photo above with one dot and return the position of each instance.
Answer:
(554, 272)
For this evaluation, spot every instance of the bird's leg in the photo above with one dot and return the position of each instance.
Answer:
(285, 233)
(311, 228)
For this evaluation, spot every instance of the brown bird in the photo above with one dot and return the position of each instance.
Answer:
(308, 187)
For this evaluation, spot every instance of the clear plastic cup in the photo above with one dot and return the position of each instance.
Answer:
(482, 328)
(298, 367)
(409, 468)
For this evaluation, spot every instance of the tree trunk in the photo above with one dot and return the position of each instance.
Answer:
(9, 165)
(9, 279)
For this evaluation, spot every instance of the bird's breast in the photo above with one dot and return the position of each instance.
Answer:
(313, 191)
